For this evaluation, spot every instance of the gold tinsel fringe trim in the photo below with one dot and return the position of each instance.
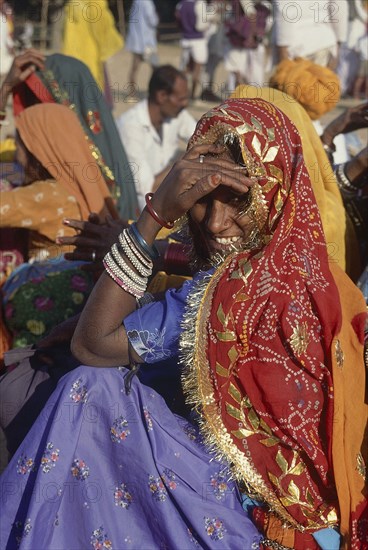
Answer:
(199, 394)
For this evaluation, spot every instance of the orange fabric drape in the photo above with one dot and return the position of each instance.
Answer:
(53, 134)
(350, 420)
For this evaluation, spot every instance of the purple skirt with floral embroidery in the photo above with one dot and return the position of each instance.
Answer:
(104, 470)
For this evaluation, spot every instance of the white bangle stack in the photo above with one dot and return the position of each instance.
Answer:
(343, 181)
(133, 282)
(138, 260)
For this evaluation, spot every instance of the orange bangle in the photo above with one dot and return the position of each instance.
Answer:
(155, 216)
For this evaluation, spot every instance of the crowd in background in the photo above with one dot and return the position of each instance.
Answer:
(249, 36)
(74, 179)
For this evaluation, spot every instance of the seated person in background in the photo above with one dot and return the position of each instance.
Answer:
(350, 120)
(315, 87)
(62, 179)
(151, 130)
(34, 78)
(317, 90)
(269, 338)
(352, 179)
(51, 147)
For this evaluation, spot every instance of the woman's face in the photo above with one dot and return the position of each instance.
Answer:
(21, 153)
(33, 169)
(219, 222)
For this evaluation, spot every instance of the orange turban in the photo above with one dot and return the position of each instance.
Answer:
(315, 87)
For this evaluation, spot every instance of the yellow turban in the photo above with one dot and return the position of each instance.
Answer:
(315, 87)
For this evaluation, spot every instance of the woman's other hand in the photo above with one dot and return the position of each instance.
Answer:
(93, 238)
(201, 170)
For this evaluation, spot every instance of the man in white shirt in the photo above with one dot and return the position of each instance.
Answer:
(310, 29)
(151, 130)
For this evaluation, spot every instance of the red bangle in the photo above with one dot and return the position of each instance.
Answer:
(155, 216)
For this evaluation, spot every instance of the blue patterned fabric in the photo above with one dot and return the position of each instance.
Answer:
(154, 330)
(101, 469)
(104, 470)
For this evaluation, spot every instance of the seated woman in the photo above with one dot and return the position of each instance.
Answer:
(352, 180)
(34, 78)
(62, 179)
(268, 334)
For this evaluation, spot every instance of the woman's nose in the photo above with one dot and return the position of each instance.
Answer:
(219, 217)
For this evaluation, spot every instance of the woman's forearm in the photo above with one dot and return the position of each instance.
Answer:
(100, 338)
(356, 169)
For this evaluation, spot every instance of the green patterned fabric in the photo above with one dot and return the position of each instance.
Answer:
(39, 296)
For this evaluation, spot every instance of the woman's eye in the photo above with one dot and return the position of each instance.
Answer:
(239, 201)
(235, 203)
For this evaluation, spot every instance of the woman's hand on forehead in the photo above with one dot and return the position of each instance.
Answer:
(201, 170)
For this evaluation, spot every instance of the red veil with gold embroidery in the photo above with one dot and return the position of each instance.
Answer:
(265, 332)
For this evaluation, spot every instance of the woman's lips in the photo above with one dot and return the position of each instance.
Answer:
(224, 243)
